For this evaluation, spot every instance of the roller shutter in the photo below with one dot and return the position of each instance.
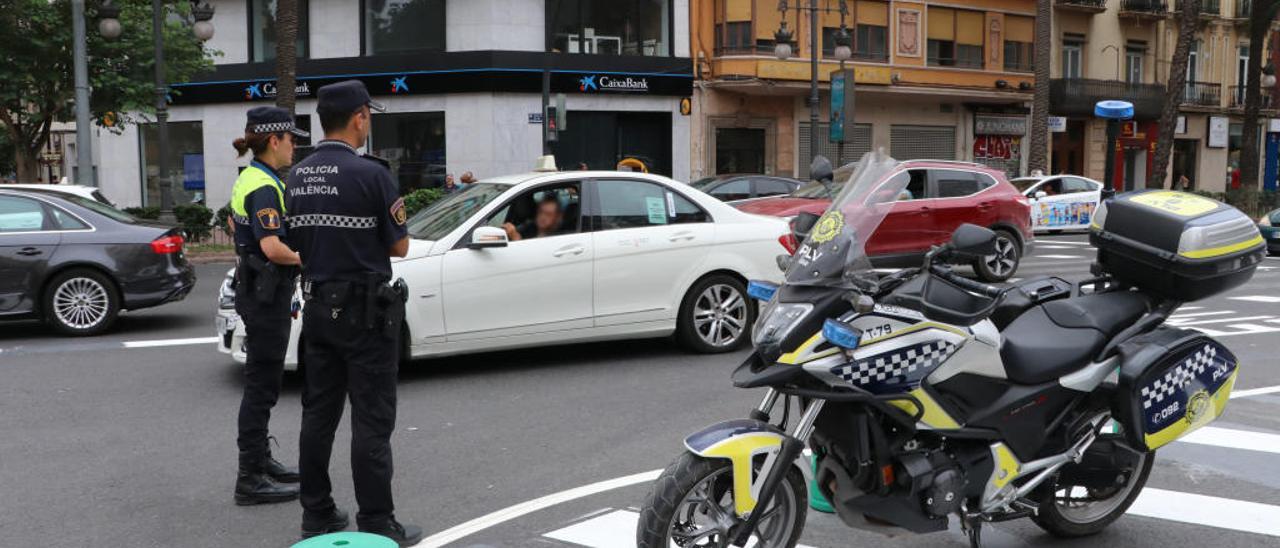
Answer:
(922, 142)
(859, 143)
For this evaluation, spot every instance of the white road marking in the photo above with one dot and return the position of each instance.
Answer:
(1223, 513)
(616, 529)
(1196, 321)
(1257, 298)
(1063, 257)
(169, 342)
(1255, 392)
(1177, 317)
(1234, 439)
(1059, 242)
(1054, 246)
(512, 512)
(1240, 329)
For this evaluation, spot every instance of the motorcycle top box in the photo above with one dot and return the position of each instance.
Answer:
(1177, 245)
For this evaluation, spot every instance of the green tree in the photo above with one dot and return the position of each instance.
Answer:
(37, 86)
(1188, 17)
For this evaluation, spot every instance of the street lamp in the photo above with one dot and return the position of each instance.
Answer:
(783, 50)
(1113, 112)
(109, 27)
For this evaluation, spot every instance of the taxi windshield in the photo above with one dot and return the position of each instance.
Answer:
(834, 254)
(1025, 183)
(450, 212)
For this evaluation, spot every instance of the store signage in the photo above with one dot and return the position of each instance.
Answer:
(1218, 131)
(1058, 124)
(268, 90)
(626, 84)
(1181, 127)
(997, 147)
(989, 124)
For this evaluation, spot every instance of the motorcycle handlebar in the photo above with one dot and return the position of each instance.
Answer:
(965, 283)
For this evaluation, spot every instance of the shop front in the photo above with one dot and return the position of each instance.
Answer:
(1134, 155)
(997, 141)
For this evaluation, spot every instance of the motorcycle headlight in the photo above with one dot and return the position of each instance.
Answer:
(777, 321)
(226, 295)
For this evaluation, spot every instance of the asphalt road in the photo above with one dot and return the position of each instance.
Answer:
(128, 439)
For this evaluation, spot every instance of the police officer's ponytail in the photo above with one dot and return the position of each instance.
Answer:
(255, 142)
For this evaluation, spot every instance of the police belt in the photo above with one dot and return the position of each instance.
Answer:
(369, 304)
(265, 280)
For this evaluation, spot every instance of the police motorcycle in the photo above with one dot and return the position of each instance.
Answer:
(921, 395)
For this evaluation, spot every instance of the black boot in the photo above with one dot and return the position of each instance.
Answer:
(404, 535)
(279, 472)
(254, 486)
(321, 524)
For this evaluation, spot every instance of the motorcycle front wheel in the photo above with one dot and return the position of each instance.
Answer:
(691, 506)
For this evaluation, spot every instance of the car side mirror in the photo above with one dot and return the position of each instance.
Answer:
(820, 169)
(973, 241)
(1041, 194)
(488, 236)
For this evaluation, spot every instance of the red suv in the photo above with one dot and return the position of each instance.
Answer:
(940, 196)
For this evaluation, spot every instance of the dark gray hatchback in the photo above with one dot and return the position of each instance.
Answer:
(76, 263)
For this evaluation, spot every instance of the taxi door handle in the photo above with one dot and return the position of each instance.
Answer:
(680, 236)
(569, 250)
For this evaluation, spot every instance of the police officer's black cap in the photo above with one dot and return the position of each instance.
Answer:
(272, 120)
(346, 96)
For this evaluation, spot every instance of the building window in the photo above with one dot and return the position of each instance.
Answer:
(403, 26)
(186, 162)
(955, 38)
(734, 37)
(1072, 47)
(1134, 55)
(871, 36)
(262, 30)
(1019, 44)
(625, 27)
(414, 144)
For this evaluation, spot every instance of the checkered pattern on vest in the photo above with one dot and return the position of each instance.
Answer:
(896, 363)
(1177, 379)
(335, 221)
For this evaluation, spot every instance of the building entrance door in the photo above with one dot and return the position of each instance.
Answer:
(1184, 162)
(740, 150)
(1068, 149)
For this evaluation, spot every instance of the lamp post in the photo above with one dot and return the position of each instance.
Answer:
(1113, 112)
(783, 50)
(109, 27)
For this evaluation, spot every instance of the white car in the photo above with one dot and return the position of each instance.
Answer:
(636, 255)
(1060, 202)
(86, 192)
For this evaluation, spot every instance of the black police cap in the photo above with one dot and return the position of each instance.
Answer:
(272, 120)
(346, 96)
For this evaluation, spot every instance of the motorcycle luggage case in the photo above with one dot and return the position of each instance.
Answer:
(1177, 245)
(1171, 382)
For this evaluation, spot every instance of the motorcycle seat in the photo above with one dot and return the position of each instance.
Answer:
(1059, 337)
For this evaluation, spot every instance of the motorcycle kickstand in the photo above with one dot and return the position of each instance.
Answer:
(971, 524)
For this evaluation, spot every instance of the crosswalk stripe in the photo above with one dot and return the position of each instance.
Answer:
(1195, 322)
(1223, 513)
(1061, 257)
(1255, 392)
(1234, 439)
(169, 342)
(614, 529)
(1177, 317)
(1257, 298)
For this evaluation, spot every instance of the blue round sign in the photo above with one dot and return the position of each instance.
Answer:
(1113, 110)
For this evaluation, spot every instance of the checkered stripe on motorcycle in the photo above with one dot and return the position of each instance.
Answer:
(897, 363)
(1177, 379)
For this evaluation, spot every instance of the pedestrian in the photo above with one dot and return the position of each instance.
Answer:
(1184, 184)
(449, 186)
(265, 279)
(468, 179)
(348, 220)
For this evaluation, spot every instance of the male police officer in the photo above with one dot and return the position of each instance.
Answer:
(264, 293)
(347, 219)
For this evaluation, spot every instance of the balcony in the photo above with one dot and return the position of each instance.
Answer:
(1144, 9)
(1077, 96)
(1210, 9)
(1202, 94)
(1083, 6)
(1243, 11)
(1237, 98)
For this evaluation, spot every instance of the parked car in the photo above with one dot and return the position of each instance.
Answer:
(636, 255)
(76, 263)
(76, 190)
(727, 188)
(1060, 202)
(1269, 225)
(940, 196)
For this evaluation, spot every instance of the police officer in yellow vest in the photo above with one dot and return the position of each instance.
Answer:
(265, 278)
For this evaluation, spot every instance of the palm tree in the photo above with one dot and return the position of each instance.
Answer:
(1188, 21)
(1260, 15)
(286, 53)
(1039, 157)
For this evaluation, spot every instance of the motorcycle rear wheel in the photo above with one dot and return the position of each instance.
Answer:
(1062, 514)
(691, 506)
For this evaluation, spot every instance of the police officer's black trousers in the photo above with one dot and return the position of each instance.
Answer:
(346, 359)
(266, 341)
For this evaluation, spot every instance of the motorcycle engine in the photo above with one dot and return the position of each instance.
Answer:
(935, 479)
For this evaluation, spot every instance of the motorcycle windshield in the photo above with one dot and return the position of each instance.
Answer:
(834, 253)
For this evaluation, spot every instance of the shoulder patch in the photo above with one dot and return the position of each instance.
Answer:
(269, 218)
(398, 213)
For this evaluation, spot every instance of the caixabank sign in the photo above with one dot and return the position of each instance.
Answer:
(460, 72)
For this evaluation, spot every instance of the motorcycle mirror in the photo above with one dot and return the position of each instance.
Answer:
(820, 168)
(784, 261)
(973, 241)
(802, 224)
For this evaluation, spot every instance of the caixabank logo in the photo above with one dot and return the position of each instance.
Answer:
(267, 90)
(605, 82)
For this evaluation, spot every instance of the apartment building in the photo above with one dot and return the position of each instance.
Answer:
(1123, 49)
(947, 80)
(461, 80)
